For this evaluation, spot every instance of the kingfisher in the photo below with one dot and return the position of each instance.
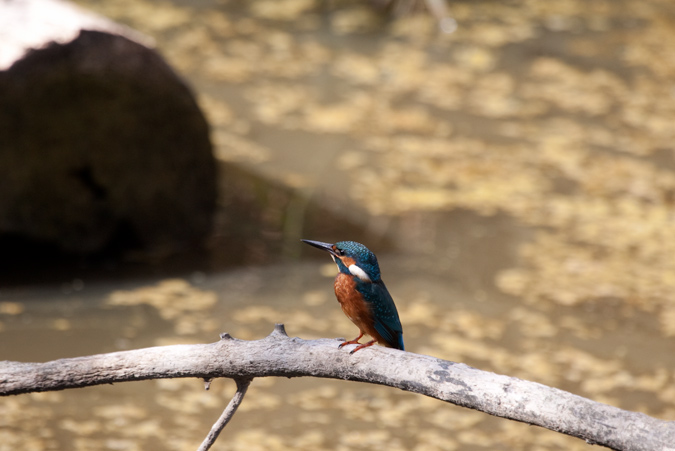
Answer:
(362, 295)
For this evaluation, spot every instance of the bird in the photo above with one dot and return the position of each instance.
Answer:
(362, 295)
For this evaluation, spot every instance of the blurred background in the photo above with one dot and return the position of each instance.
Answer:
(510, 163)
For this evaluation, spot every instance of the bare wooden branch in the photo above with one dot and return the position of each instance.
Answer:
(226, 416)
(279, 355)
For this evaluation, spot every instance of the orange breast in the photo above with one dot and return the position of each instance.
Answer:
(354, 307)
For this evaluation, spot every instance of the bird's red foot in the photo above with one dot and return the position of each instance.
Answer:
(365, 345)
(351, 342)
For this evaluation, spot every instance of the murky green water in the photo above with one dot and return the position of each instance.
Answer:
(516, 179)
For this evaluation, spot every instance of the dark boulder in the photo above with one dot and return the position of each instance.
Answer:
(99, 138)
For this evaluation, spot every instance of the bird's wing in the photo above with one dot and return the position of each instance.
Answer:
(387, 323)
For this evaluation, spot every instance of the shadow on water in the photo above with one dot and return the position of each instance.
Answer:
(257, 222)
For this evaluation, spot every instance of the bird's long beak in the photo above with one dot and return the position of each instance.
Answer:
(323, 246)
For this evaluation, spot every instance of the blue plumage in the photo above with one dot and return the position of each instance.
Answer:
(362, 256)
(362, 294)
(385, 315)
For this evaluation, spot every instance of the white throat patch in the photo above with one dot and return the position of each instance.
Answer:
(358, 272)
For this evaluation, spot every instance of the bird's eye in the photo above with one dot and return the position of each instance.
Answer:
(340, 252)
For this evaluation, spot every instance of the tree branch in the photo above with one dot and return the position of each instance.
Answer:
(279, 355)
(226, 416)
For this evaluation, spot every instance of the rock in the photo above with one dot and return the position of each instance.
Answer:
(99, 138)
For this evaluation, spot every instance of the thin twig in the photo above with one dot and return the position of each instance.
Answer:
(226, 416)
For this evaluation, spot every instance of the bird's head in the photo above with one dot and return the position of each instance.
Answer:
(352, 258)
